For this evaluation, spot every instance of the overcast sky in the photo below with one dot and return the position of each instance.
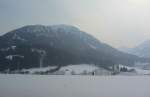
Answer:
(116, 22)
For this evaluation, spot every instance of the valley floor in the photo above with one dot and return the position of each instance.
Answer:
(15, 85)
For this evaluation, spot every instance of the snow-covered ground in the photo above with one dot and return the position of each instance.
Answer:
(138, 70)
(142, 71)
(67, 70)
(84, 69)
(43, 69)
(78, 69)
(12, 85)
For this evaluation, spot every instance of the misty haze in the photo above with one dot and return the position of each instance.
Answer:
(74, 48)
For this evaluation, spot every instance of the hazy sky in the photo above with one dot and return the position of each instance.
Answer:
(116, 22)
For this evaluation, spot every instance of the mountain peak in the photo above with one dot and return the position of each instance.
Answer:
(64, 27)
(43, 28)
(58, 45)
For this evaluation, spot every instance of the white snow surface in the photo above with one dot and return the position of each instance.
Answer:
(142, 71)
(73, 86)
(10, 57)
(78, 69)
(81, 68)
(43, 69)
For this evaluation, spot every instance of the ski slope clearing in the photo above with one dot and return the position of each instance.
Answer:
(73, 86)
(78, 69)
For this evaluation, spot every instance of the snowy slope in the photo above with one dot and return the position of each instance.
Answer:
(78, 69)
(43, 69)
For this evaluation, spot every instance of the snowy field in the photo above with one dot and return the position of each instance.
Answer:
(73, 86)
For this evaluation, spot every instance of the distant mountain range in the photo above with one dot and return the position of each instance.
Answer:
(142, 50)
(57, 45)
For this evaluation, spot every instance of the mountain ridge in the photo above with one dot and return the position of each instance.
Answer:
(58, 45)
(141, 50)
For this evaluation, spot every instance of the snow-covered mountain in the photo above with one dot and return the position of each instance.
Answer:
(142, 50)
(58, 45)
